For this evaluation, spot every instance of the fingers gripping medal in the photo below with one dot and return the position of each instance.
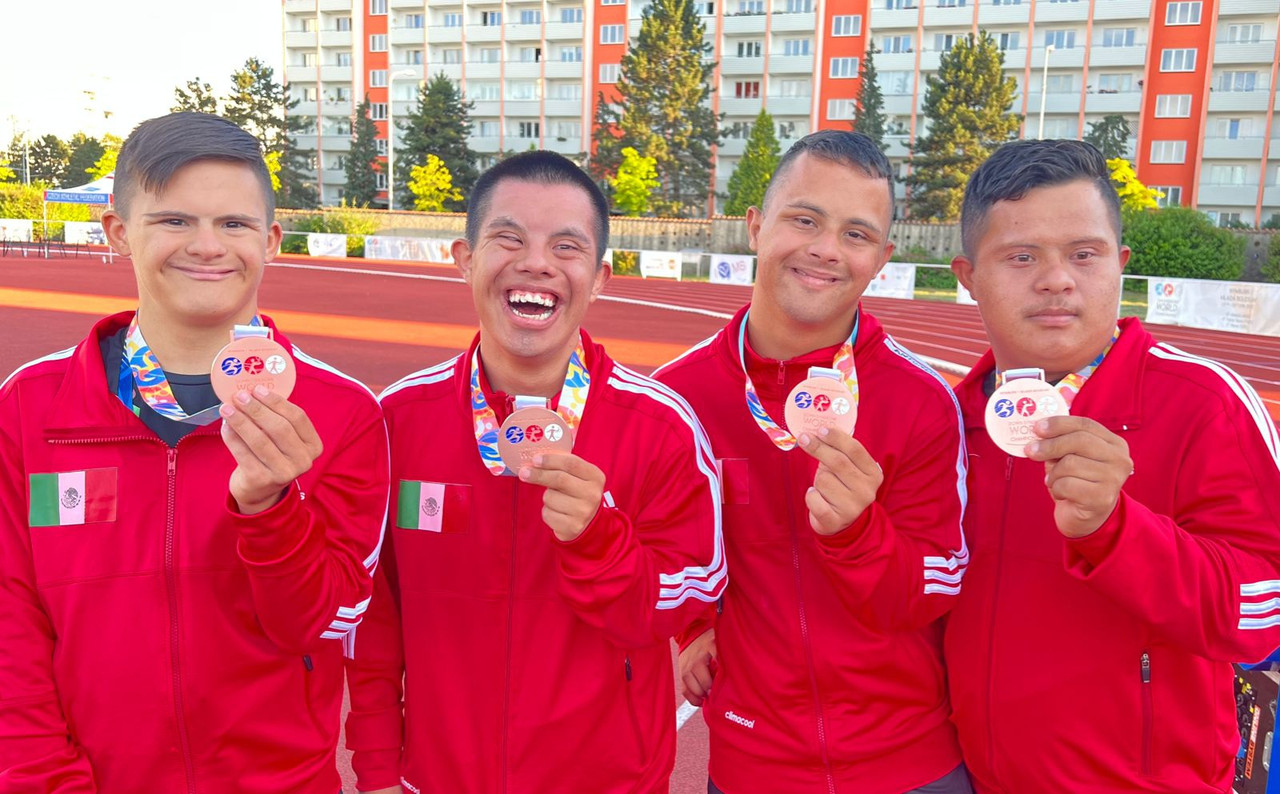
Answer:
(821, 400)
(253, 358)
(1022, 399)
(532, 429)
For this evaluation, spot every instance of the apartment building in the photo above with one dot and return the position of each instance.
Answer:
(1196, 79)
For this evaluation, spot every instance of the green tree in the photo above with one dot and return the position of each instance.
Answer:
(1271, 268)
(362, 161)
(27, 202)
(49, 157)
(7, 174)
(439, 124)
(256, 104)
(432, 186)
(85, 152)
(1134, 196)
(297, 188)
(106, 164)
(870, 119)
(759, 160)
(19, 161)
(1110, 135)
(1183, 243)
(634, 185)
(967, 105)
(197, 96)
(663, 110)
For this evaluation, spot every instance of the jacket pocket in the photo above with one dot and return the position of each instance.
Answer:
(1148, 713)
(633, 716)
(735, 481)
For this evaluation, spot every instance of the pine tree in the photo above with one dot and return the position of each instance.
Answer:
(198, 96)
(663, 108)
(297, 189)
(1110, 135)
(362, 160)
(85, 152)
(967, 106)
(870, 119)
(256, 104)
(759, 160)
(49, 161)
(440, 124)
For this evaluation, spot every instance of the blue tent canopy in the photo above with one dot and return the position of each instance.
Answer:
(97, 192)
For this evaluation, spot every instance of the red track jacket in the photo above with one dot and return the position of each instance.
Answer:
(830, 660)
(167, 644)
(1102, 664)
(532, 665)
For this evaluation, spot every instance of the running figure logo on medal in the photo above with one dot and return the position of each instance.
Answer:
(70, 498)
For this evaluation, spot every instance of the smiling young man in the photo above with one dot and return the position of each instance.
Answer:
(1122, 565)
(822, 669)
(176, 578)
(524, 615)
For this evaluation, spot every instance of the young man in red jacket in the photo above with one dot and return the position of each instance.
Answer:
(845, 550)
(525, 606)
(177, 578)
(1132, 554)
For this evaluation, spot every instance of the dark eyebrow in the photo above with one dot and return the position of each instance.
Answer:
(188, 217)
(852, 221)
(507, 222)
(503, 222)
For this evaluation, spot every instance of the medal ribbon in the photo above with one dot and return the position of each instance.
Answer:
(140, 369)
(1071, 385)
(843, 363)
(573, 401)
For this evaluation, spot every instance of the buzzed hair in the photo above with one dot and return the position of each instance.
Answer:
(542, 168)
(853, 149)
(1019, 167)
(158, 148)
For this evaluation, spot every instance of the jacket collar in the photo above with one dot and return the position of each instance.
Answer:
(871, 336)
(1112, 396)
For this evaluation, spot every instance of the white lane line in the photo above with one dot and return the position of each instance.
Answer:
(684, 713)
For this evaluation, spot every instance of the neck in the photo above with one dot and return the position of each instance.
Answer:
(542, 376)
(182, 347)
(775, 335)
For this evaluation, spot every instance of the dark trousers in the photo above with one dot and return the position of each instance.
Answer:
(954, 782)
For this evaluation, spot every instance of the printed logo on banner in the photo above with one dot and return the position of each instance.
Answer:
(731, 269)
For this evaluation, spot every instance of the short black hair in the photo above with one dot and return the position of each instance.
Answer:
(1018, 167)
(543, 168)
(158, 148)
(853, 149)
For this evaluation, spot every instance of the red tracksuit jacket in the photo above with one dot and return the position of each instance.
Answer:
(532, 665)
(1102, 664)
(169, 644)
(830, 660)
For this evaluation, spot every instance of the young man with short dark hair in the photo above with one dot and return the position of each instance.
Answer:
(178, 577)
(518, 640)
(1125, 548)
(822, 671)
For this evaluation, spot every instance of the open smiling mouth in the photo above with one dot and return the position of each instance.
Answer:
(532, 305)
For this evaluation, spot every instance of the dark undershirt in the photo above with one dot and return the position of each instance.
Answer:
(193, 392)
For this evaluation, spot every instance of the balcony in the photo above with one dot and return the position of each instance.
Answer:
(733, 147)
(1015, 59)
(483, 143)
(791, 64)
(336, 143)
(335, 74)
(1224, 101)
(990, 16)
(1229, 195)
(563, 107)
(558, 69)
(936, 16)
(568, 146)
(1125, 9)
(1055, 102)
(784, 22)
(478, 70)
(1072, 58)
(896, 62)
(404, 4)
(732, 106)
(334, 5)
(930, 60)
(564, 30)
(1247, 8)
(524, 32)
(335, 38)
(300, 40)
(483, 33)
(1271, 197)
(341, 108)
(445, 34)
(885, 19)
(1061, 12)
(523, 70)
(789, 105)
(305, 108)
(486, 108)
(897, 105)
(453, 71)
(1119, 102)
(404, 36)
(1254, 52)
(751, 66)
(1233, 148)
(744, 23)
(524, 108)
(897, 145)
(1113, 56)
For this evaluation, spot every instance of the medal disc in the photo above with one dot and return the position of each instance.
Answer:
(820, 402)
(1015, 407)
(532, 431)
(253, 361)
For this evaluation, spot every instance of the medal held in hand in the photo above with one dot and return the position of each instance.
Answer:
(252, 359)
(1023, 399)
(821, 400)
(532, 429)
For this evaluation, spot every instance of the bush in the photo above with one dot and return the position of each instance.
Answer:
(1271, 267)
(626, 263)
(24, 202)
(340, 220)
(1182, 243)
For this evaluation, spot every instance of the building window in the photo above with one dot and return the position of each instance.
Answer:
(530, 54)
(522, 91)
(1236, 81)
(415, 20)
(844, 67)
(613, 2)
(378, 7)
(750, 6)
(1114, 83)
(794, 47)
(308, 59)
(749, 89)
(563, 130)
(1234, 129)
(611, 34)
(308, 24)
(378, 42)
(847, 25)
(1007, 41)
(1172, 195)
(1244, 34)
(451, 55)
(490, 55)
(530, 16)
(342, 24)
(738, 131)
(1060, 83)
(487, 129)
(840, 109)
(381, 180)
(1178, 60)
(795, 88)
(528, 129)
(895, 83)
(943, 42)
(892, 44)
(1006, 2)
(571, 54)
(490, 19)
(1060, 39)
(1168, 151)
(1182, 14)
(1119, 37)
(899, 5)
(749, 49)
(413, 57)
(342, 127)
(377, 78)
(571, 91)
(608, 73)
(378, 111)
(453, 19)
(951, 3)
(1173, 106)
(1060, 128)
(484, 92)
(341, 94)
(571, 14)
(342, 59)
(799, 6)
(1227, 175)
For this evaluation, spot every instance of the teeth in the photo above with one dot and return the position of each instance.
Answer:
(536, 298)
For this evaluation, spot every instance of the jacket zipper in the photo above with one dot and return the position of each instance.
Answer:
(991, 648)
(1148, 717)
(782, 373)
(804, 629)
(631, 708)
(511, 616)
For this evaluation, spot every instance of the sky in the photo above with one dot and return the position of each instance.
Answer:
(130, 54)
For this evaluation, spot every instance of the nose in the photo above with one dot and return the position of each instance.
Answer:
(537, 261)
(205, 242)
(825, 247)
(1055, 275)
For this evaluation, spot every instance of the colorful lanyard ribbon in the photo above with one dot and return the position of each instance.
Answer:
(1071, 385)
(573, 400)
(842, 366)
(140, 369)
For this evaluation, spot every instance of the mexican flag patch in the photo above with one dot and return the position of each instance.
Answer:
(433, 507)
(72, 497)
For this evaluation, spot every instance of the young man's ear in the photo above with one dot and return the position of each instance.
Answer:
(113, 227)
(461, 251)
(962, 266)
